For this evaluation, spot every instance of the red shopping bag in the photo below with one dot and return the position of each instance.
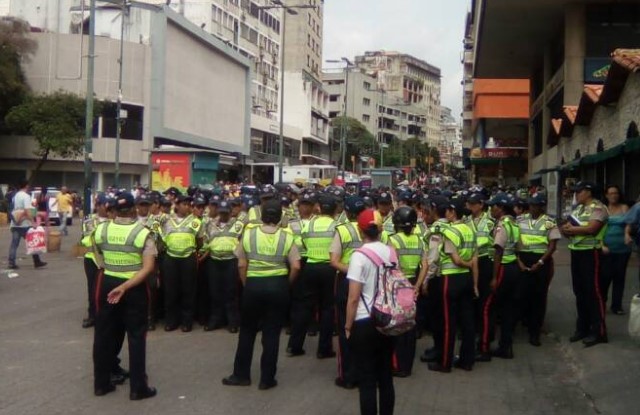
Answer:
(36, 241)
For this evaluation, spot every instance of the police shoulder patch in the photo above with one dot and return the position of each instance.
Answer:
(550, 224)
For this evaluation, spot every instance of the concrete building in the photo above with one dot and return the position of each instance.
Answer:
(180, 87)
(450, 144)
(408, 80)
(560, 46)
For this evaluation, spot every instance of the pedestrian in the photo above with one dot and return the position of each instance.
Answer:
(64, 202)
(459, 269)
(506, 283)
(182, 237)
(586, 228)
(91, 266)
(371, 349)
(268, 261)
(632, 228)
(221, 269)
(539, 236)
(410, 248)
(615, 252)
(21, 202)
(128, 253)
(346, 240)
(316, 283)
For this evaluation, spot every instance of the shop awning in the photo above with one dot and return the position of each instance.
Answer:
(603, 155)
(632, 145)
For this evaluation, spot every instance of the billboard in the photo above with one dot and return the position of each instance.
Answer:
(170, 170)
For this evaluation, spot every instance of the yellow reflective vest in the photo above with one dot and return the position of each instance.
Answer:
(463, 238)
(121, 246)
(585, 242)
(267, 253)
(410, 249)
(317, 237)
(179, 235)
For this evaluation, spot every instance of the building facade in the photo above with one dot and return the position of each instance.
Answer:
(408, 80)
(204, 104)
(450, 145)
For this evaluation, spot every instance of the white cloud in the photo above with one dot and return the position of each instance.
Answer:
(431, 30)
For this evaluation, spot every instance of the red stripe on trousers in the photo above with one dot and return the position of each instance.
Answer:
(96, 293)
(484, 347)
(445, 307)
(601, 306)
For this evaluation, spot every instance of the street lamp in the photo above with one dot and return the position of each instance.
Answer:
(343, 127)
(278, 4)
(382, 147)
(125, 5)
(88, 122)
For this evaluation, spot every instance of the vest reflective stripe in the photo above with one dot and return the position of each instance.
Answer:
(317, 237)
(89, 225)
(410, 250)
(350, 239)
(513, 236)
(584, 242)
(463, 238)
(296, 229)
(257, 247)
(387, 224)
(223, 242)
(483, 233)
(255, 216)
(533, 234)
(122, 247)
(180, 239)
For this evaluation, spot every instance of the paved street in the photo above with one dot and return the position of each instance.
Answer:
(45, 363)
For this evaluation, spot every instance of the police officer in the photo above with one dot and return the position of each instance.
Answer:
(384, 204)
(506, 283)
(586, 235)
(90, 265)
(459, 270)
(128, 254)
(221, 267)
(539, 235)
(346, 240)
(410, 248)
(182, 237)
(482, 224)
(143, 207)
(144, 203)
(267, 260)
(267, 192)
(316, 282)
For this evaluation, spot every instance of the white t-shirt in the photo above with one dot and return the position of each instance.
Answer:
(22, 201)
(364, 271)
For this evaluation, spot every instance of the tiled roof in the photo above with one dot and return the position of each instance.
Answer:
(570, 112)
(593, 92)
(627, 58)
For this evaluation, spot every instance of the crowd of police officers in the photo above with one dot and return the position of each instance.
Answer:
(261, 259)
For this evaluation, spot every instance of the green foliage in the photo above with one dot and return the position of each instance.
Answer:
(15, 47)
(360, 142)
(56, 121)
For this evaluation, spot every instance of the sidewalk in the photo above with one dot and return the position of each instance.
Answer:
(46, 366)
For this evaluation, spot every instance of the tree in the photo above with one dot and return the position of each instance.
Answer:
(56, 121)
(15, 48)
(360, 142)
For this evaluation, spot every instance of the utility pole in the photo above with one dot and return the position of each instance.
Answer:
(88, 132)
(119, 102)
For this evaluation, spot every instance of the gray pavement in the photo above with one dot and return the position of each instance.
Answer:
(46, 368)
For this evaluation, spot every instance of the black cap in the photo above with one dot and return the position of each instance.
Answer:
(199, 200)
(236, 201)
(215, 200)
(354, 204)
(537, 199)
(327, 202)
(110, 202)
(307, 197)
(501, 199)
(165, 202)
(184, 198)
(476, 198)
(144, 199)
(271, 211)
(385, 197)
(124, 200)
(224, 207)
(584, 185)
(172, 191)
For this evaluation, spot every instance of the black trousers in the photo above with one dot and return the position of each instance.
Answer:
(485, 274)
(223, 280)
(433, 305)
(506, 302)
(264, 307)
(585, 277)
(91, 272)
(179, 289)
(535, 291)
(130, 313)
(153, 283)
(457, 310)
(202, 302)
(316, 287)
(404, 352)
(346, 365)
(372, 355)
(613, 274)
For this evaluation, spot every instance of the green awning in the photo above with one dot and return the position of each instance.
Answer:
(603, 155)
(632, 145)
(573, 164)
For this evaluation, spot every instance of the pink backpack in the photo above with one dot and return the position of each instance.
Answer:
(394, 308)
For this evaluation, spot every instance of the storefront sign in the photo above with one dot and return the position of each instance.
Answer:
(170, 170)
(498, 153)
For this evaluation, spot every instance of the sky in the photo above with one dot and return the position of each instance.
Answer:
(431, 30)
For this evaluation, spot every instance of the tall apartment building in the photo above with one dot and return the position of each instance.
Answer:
(409, 80)
(450, 144)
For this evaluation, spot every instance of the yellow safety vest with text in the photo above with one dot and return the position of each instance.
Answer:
(350, 239)
(463, 238)
(222, 242)
(585, 242)
(317, 237)
(534, 233)
(410, 250)
(483, 233)
(121, 247)
(267, 253)
(180, 236)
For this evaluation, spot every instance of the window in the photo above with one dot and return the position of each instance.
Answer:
(131, 125)
(334, 98)
(366, 102)
(366, 118)
(333, 114)
(366, 85)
